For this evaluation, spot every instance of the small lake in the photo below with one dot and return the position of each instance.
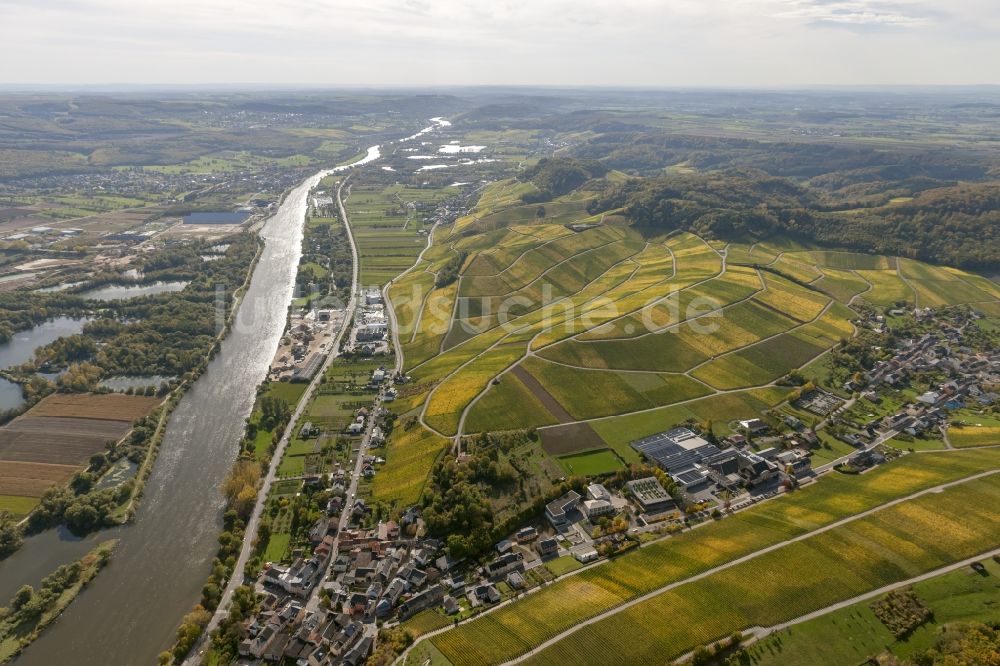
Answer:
(120, 472)
(10, 395)
(21, 347)
(232, 217)
(61, 287)
(124, 383)
(16, 276)
(114, 292)
(452, 148)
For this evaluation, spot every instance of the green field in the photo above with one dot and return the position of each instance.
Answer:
(563, 565)
(17, 505)
(900, 542)
(509, 404)
(289, 392)
(389, 226)
(592, 463)
(610, 392)
(893, 544)
(975, 430)
(887, 287)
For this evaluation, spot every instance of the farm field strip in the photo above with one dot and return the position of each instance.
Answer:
(764, 361)
(516, 323)
(839, 500)
(105, 406)
(850, 632)
(809, 304)
(54, 439)
(617, 304)
(610, 393)
(684, 296)
(492, 338)
(484, 386)
(892, 544)
(887, 287)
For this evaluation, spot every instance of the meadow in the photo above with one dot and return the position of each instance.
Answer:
(591, 463)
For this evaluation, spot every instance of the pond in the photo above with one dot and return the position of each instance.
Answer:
(61, 287)
(10, 395)
(114, 292)
(221, 217)
(122, 383)
(22, 345)
(456, 148)
(120, 472)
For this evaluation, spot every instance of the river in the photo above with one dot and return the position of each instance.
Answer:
(129, 614)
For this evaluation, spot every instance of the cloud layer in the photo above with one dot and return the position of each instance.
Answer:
(442, 42)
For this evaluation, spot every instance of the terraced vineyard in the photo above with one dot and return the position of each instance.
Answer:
(894, 544)
(514, 630)
(598, 334)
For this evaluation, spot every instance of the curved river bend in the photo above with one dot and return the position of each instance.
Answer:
(129, 614)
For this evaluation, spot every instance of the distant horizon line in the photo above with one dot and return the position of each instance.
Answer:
(313, 87)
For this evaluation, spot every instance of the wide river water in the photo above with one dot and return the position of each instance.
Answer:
(130, 612)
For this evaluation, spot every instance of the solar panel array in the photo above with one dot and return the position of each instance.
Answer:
(663, 449)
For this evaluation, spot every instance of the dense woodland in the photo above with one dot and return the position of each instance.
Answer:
(957, 225)
(166, 334)
(558, 176)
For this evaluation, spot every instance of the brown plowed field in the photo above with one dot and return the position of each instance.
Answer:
(32, 479)
(546, 398)
(57, 441)
(56, 437)
(570, 438)
(107, 406)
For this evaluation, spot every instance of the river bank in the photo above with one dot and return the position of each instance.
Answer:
(127, 611)
(57, 591)
(175, 530)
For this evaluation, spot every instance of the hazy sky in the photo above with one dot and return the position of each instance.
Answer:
(568, 42)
